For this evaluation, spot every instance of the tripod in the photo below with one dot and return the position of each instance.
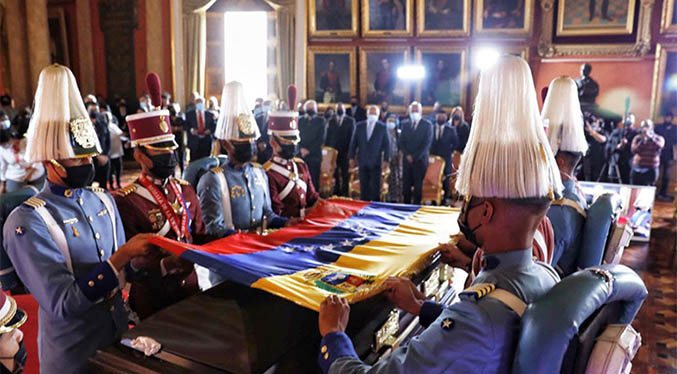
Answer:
(614, 172)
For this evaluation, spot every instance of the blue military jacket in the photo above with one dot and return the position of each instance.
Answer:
(80, 311)
(249, 200)
(471, 336)
(567, 222)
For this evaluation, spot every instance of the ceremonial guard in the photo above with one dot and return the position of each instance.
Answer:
(67, 243)
(236, 196)
(504, 203)
(12, 350)
(567, 139)
(159, 203)
(291, 187)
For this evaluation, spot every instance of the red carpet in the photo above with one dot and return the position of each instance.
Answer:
(30, 330)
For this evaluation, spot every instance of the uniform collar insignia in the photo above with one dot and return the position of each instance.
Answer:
(63, 190)
(280, 160)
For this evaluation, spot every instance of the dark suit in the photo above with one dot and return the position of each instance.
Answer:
(359, 113)
(445, 142)
(200, 145)
(370, 153)
(339, 136)
(263, 155)
(415, 143)
(313, 132)
(103, 133)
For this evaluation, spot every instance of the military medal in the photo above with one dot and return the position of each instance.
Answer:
(181, 229)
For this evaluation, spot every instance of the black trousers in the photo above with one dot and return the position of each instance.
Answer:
(101, 173)
(412, 176)
(314, 166)
(115, 171)
(643, 176)
(342, 177)
(665, 167)
(370, 183)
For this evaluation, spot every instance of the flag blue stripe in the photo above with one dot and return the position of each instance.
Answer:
(369, 223)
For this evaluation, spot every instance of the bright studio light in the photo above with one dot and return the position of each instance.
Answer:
(245, 52)
(411, 72)
(486, 58)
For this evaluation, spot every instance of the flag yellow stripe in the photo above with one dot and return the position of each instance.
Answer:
(404, 250)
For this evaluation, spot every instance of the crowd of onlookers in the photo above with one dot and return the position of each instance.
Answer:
(628, 152)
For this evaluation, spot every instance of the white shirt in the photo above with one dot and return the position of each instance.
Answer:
(13, 165)
(116, 139)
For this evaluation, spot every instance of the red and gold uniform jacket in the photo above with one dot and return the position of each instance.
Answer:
(165, 279)
(291, 188)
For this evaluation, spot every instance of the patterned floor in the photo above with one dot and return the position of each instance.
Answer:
(577, 13)
(657, 320)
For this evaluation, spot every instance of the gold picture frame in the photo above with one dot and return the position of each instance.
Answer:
(366, 76)
(600, 29)
(323, 52)
(641, 47)
(408, 29)
(523, 31)
(660, 66)
(316, 29)
(421, 19)
(669, 17)
(461, 77)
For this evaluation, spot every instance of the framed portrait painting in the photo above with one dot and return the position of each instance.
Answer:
(387, 18)
(331, 75)
(511, 17)
(669, 17)
(439, 18)
(445, 79)
(378, 76)
(595, 17)
(333, 18)
(664, 96)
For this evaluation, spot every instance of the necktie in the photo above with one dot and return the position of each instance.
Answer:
(415, 125)
(370, 129)
(200, 122)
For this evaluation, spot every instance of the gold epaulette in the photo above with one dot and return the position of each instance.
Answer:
(35, 203)
(256, 165)
(182, 181)
(96, 189)
(477, 291)
(216, 170)
(124, 191)
(268, 165)
(299, 160)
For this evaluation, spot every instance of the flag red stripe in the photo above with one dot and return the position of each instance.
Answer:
(321, 219)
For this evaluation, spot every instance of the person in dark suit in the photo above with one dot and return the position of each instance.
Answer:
(200, 124)
(370, 150)
(417, 135)
(356, 111)
(462, 128)
(445, 142)
(339, 135)
(313, 130)
(263, 149)
(102, 162)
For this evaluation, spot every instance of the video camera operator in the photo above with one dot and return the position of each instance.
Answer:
(596, 136)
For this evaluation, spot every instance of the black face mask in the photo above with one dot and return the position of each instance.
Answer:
(164, 165)
(79, 176)
(301, 113)
(244, 152)
(354, 104)
(463, 225)
(340, 112)
(328, 115)
(441, 122)
(288, 151)
(20, 358)
(456, 118)
(310, 112)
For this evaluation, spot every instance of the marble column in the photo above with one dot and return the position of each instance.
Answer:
(38, 39)
(178, 61)
(300, 49)
(86, 78)
(19, 87)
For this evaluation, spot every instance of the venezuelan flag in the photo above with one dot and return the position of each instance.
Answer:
(342, 247)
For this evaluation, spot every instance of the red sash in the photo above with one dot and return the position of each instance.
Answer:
(182, 231)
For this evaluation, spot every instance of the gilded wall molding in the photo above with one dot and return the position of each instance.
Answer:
(641, 47)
